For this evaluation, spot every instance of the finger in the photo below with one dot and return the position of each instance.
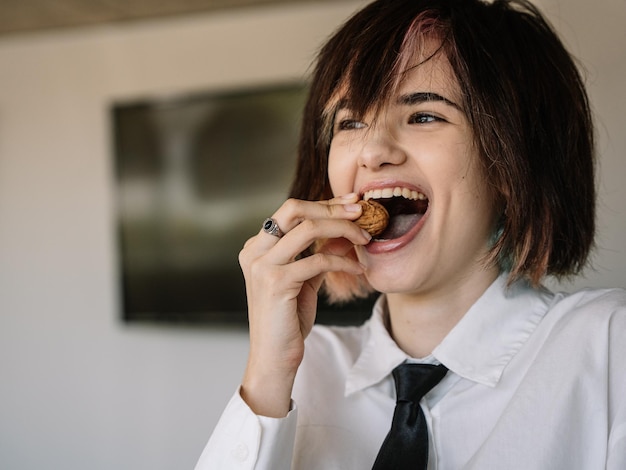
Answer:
(294, 211)
(350, 198)
(311, 230)
(335, 246)
(312, 266)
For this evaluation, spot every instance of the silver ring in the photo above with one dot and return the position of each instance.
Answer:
(270, 226)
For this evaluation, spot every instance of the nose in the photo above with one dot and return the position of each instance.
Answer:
(379, 148)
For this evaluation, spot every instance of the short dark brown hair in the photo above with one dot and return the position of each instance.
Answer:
(523, 96)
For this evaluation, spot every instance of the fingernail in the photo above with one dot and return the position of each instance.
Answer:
(352, 208)
(349, 196)
(367, 234)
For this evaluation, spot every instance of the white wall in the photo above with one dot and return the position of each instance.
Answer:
(595, 34)
(79, 389)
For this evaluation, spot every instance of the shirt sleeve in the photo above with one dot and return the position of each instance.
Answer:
(243, 440)
(616, 458)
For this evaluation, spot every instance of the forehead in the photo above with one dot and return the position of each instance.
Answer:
(422, 66)
(429, 73)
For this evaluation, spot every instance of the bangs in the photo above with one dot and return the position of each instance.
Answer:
(377, 67)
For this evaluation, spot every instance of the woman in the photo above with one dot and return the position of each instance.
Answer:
(469, 121)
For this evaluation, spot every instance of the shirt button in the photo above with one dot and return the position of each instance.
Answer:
(240, 452)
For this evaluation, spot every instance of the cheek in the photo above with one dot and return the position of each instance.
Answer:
(483, 202)
(340, 173)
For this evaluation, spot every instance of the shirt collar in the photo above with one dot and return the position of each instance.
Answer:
(380, 353)
(478, 348)
(493, 330)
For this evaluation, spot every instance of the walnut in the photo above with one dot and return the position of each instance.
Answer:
(374, 217)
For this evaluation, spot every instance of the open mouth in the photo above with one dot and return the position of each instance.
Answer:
(405, 206)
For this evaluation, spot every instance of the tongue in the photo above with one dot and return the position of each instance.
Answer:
(399, 225)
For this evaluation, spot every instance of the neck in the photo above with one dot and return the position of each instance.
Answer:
(419, 322)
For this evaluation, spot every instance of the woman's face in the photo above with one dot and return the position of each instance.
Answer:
(417, 156)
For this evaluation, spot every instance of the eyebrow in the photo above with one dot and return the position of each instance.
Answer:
(341, 104)
(424, 97)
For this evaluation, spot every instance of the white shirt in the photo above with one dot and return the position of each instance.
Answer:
(537, 381)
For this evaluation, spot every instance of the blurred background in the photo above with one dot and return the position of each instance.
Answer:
(80, 387)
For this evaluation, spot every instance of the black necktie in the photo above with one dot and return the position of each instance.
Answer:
(406, 445)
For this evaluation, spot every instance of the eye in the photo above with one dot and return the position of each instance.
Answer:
(349, 124)
(423, 118)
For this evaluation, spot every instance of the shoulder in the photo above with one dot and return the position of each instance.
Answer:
(600, 305)
(592, 318)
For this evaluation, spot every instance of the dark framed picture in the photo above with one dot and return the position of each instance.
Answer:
(195, 177)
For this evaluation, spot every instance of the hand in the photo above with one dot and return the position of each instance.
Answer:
(282, 291)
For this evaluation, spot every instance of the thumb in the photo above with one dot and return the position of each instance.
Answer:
(337, 247)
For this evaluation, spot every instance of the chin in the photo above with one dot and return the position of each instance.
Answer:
(395, 283)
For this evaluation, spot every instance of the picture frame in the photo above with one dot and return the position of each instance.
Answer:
(195, 177)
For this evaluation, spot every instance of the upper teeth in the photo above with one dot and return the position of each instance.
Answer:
(386, 193)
